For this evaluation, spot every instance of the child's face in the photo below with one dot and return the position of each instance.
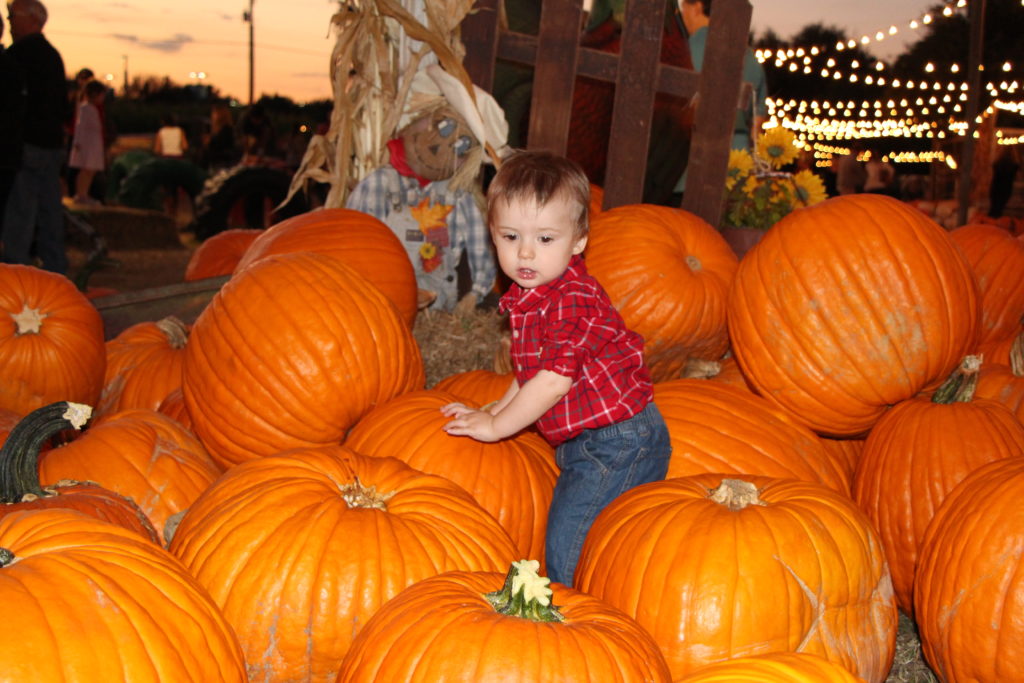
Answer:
(535, 243)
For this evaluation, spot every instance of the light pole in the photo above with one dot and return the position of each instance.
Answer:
(124, 62)
(247, 17)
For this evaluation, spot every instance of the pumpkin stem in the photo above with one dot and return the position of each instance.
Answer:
(175, 330)
(19, 457)
(28, 321)
(959, 388)
(735, 494)
(1017, 355)
(6, 557)
(699, 368)
(693, 262)
(358, 496)
(525, 594)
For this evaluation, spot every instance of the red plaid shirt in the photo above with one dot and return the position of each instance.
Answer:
(569, 326)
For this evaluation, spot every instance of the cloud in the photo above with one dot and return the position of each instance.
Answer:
(310, 74)
(172, 44)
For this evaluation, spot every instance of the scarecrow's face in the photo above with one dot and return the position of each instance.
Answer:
(436, 145)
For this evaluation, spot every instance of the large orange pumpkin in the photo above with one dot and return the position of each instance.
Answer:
(777, 667)
(358, 239)
(469, 627)
(51, 341)
(85, 600)
(142, 454)
(479, 386)
(144, 364)
(916, 453)
(970, 578)
(20, 488)
(997, 259)
(720, 428)
(719, 568)
(667, 272)
(850, 306)
(299, 550)
(513, 479)
(220, 254)
(290, 353)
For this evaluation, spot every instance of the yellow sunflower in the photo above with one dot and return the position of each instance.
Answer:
(776, 146)
(809, 188)
(428, 250)
(740, 165)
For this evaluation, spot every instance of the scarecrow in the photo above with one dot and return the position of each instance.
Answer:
(428, 191)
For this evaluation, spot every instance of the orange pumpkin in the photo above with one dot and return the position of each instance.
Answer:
(51, 341)
(916, 454)
(20, 488)
(513, 479)
(358, 239)
(777, 667)
(85, 600)
(144, 364)
(997, 260)
(479, 386)
(846, 452)
(719, 568)
(470, 627)
(141, 454)
(173, 406)
(290, 353)
(667, 272)
(970, 578)
(719, 428)
(850, 306)
(300, 550)
(219, 254)
(1005, 383)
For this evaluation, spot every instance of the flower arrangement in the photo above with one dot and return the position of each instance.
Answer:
(757, 193)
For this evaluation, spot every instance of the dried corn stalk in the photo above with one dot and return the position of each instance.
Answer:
(371, 88)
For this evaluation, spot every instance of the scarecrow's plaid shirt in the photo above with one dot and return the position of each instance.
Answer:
(569, 326)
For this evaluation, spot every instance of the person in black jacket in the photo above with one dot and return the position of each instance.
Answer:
(34, 216)
(12, 110)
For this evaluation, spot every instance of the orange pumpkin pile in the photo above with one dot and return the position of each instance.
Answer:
(267, 492)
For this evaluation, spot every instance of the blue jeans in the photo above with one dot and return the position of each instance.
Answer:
(598, 466)
(34, 211)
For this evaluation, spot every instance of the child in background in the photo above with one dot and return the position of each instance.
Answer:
(87, 149)
(579, 371)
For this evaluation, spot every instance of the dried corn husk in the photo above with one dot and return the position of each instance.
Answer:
(370, 79)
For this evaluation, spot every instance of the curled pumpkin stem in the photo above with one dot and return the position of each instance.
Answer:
(959, 388)
(525, 594)
(19, 457)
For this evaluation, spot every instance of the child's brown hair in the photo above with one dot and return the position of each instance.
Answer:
(541, 176)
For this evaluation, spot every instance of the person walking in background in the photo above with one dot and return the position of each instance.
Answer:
(170, 140)
(87, 149)
(34, 213)
(1004, 172)
(879, 174)
(12, 111)
(850, 173)
(221, 150)
(696, 17)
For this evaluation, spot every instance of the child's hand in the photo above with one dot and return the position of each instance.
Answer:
(476, 424)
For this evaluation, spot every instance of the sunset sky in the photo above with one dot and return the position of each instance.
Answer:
(293, 40)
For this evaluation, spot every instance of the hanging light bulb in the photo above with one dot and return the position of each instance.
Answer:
(929, 67)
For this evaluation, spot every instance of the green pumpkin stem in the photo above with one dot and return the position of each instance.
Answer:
(525, 594)
(6, 557)
(959, 388)
(19, 457)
